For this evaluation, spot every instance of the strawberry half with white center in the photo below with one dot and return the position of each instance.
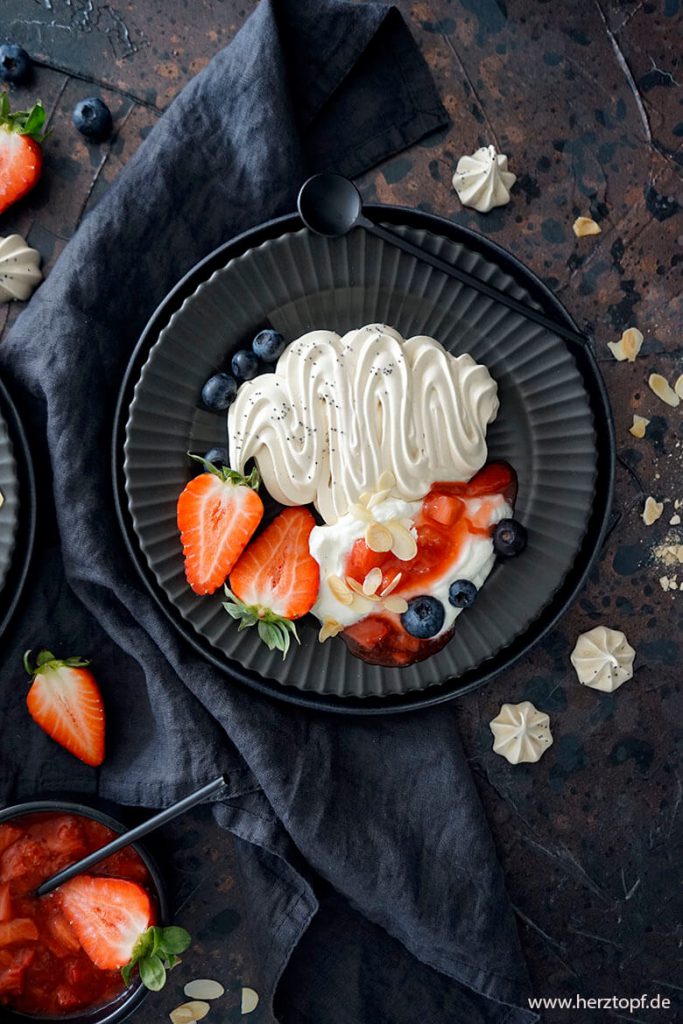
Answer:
(276, 580)
(218, 513)
(65, 701)
(111, 919)
(21, 156)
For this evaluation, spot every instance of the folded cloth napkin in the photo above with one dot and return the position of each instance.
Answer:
(360, 841)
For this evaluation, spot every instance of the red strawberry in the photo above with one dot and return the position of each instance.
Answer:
(218, 513)
(59, 936)
(21, 929)
(66, 702)
(276, 580)
(5, 902)
(21, 158)
(108, 916)
(13, 965)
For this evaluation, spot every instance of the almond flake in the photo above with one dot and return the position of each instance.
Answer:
(678, 386)
(639, 426)
(358, 590)
(378, 537)
(675, 520)
(362, 513)
(339, 590)
(386, 481)
(204, 988)
(329, 628)
(378, 497)
(404, 545)
(395, 604)
(663, 389)
(188, 1012)
(585, 226)
(249, 1000)
(628, 346)
(652, 511)
(372, 581)
(392, 586)
(364, 498)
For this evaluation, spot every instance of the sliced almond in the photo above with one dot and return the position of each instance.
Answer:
(386, 481)
(404, 545)
(362, 513)
(378, 537)
(663, 389)
(204, 988)
(372, 581)
(628, 346)
(329, 628)
(678, 386)
(249, 1000)
(378, 497)
(188, 1012)
(339, 590)
(639, 426)
(585, 226)
(395, 604)
(675, 520)
(652, 511)
(358, 590)
(392, 586)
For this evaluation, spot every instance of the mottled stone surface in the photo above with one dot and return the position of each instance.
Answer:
(587, 101)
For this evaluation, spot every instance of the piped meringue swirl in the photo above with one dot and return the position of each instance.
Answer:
(339, 411)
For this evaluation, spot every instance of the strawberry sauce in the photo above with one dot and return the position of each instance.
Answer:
(443, 527)
(43, 969)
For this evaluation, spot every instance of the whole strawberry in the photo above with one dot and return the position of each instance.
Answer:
(65, 701)
(21, 156)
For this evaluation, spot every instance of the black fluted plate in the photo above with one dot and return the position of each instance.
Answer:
(553, 427)
(18, 511)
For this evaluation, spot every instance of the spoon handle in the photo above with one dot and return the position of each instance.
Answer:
(473, 282)
(126, 838)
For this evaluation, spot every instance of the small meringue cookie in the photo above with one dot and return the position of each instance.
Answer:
(603, 659)
(482, 180)
(19, 273)
(521, 732)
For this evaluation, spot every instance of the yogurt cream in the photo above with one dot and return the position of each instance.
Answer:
(339, 411)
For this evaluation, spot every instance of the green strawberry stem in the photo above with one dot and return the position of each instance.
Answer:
(46, 660)
(23, 122)
(155, 953)
(273, 629)
(225, 473)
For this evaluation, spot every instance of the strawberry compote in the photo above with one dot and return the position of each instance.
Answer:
(43, 969)
(444, 526)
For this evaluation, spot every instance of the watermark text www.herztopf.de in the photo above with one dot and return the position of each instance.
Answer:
(579, 1002)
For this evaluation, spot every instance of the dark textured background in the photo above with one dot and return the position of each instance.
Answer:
(587, 101)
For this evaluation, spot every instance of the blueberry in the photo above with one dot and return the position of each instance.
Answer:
(15, 64)
(218, 456)
(93, 119)
(424, 617)
(268, 345)
(218, 392)
(509, 538)
(461, 593)
(244, 364)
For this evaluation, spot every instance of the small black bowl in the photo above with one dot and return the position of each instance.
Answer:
(130, 999)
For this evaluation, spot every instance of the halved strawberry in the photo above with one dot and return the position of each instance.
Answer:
(21, 929)
(218, 513)
(5, 902)
(276, 580)
(66, 702)
(21, 158)
(108, 916)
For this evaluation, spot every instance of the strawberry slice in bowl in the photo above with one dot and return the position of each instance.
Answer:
(217, 514)
(276, 580)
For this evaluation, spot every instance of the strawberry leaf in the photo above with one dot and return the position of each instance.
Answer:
(152, 973)
(226, 474)
(47, 660)
(23, 122)
(274, 630)
(174, 939)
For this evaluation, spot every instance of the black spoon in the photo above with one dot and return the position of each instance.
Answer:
(331, 205)
(132, 836)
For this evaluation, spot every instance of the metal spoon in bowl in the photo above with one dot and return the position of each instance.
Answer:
(331, 205)
(132, 836)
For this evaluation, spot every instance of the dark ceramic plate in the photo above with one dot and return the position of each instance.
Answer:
(554, 427)
(18, 513)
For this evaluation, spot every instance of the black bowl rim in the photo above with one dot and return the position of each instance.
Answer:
(591, 544)
(24, 541)
(120, 1008)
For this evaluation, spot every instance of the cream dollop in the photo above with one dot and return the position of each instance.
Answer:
(482, 180)
(338, 411)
